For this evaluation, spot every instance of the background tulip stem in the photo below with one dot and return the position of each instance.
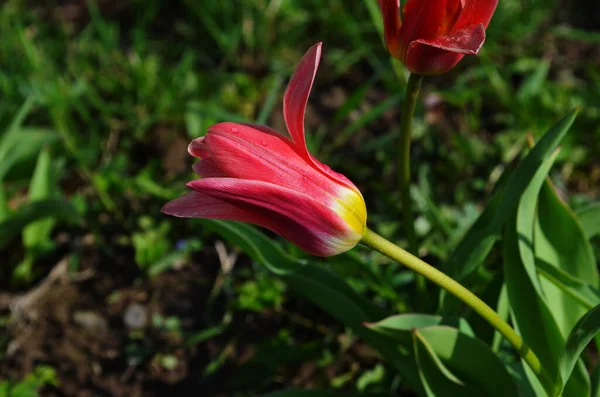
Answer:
(392, 251)
(406, 122)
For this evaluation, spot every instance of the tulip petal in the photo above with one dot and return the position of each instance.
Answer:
(442, 54)
(476, 12)
(241, 151)
(294, 107)
(423, 19)
(208, 168)
(296, 97)
(197, 148)
(463, 41)
(306, 222)
(390, 11)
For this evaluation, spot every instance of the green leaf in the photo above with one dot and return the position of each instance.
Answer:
(560, 241)
(533, 319)
(533, 84)
(517, 372)
(28, 213)
(3, 203)
(205, 335)
(433, 374)
(582, 333)
(589, 216)
(371, 377)
(42, 186)
(459, 352)
(476, 244)
(16, 122)
(431, 352)
(541, 306)
(254, 243)
(531, 316)
(526, 215)
(503, 309)
(322, 287)
(400, 326)
(581, 291)
(473, 360)
(437, 380)
(24, 146)
(375, 14)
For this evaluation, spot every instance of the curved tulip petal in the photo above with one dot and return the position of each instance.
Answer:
(301, 219)
(427, 60)
(294, 106)
(390, 10)
(442, 54)
(463, 41)
(296, 97)
(427, 19)
(476, 12)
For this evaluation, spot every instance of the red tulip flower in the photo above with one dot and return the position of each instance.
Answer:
(435, 34)
(254, 174)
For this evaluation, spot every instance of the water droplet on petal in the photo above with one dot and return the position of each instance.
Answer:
(264, 143)
(234, 129)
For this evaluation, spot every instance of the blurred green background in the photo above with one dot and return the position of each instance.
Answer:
(101, 294)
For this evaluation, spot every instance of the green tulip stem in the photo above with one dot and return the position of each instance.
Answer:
(392, 251)
(406, 122)
(408, 110)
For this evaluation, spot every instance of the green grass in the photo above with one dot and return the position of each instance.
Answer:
(114, 97)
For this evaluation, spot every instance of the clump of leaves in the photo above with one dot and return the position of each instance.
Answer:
(41, 376)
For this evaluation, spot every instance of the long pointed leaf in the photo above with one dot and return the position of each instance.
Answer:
(434, 378)
(589, 216)
(533, 319)
(584, 293)
(472, 359)
(583, 332)
(400, 325)
(476, 244)
(560, 241)
(42, 187)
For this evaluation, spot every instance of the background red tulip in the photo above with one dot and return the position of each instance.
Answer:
(434, 35)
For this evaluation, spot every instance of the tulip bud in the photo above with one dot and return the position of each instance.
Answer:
(254, 174)
(434, 35)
